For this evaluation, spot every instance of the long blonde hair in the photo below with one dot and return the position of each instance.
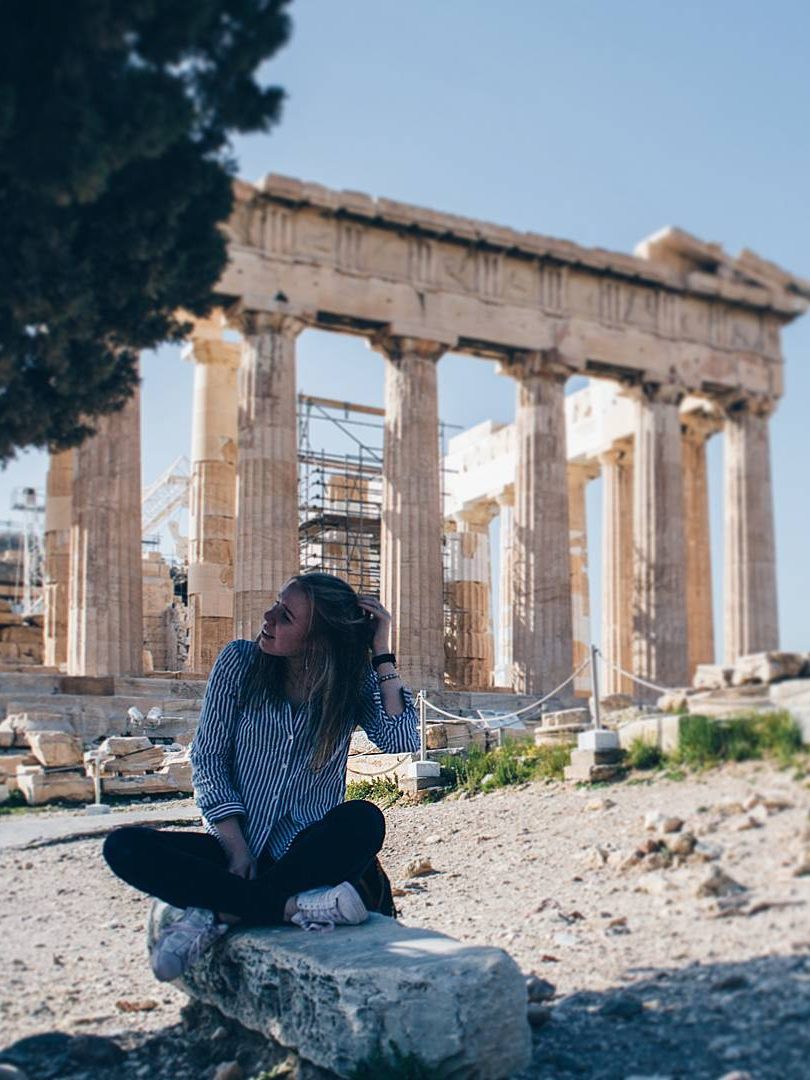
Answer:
(336, 658)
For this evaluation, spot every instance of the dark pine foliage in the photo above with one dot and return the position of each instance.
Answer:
(114, 175)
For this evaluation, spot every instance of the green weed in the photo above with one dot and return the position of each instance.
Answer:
(516, 762)
(644, 755)
(704, 742)
(381, 790)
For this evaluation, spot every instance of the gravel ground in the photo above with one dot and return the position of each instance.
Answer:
(649, 979)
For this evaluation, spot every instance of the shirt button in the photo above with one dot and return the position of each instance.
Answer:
(284, 766)
(290, 738)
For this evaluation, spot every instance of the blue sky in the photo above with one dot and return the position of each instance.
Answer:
(599, 122)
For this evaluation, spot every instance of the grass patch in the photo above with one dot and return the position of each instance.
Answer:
(14, 804)
(382, 790)
(644, 755)
(516, 762)
(704, 742)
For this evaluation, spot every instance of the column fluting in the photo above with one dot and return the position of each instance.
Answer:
(411, 526)
(541, 626)
(267, 552)
(617, 565)
(660, 653)
(212, 499)
(751, 610)
(697, 427)
(105, 621)
(58, 495)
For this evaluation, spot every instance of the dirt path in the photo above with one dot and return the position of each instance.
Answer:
(651, 979)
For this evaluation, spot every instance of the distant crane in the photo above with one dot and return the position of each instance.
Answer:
(30, 573)
(167, 495)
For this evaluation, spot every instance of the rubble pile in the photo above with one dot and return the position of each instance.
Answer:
(42, 757)
(20, 637)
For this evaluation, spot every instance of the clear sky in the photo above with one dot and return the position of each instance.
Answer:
(595, 120)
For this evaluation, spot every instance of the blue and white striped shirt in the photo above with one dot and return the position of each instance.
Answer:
(256, 762)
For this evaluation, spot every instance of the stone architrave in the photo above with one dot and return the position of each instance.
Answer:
(105, 623)
(469, 649)
(411, 525)
(697, 427)
(660, 653)
(267, 467)
(59, 487)
(503, 665)
(617, 566)
(541, 625)
(212, 498)
(751, 618)
(578, 476)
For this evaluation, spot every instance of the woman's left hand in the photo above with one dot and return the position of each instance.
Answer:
(381, 619)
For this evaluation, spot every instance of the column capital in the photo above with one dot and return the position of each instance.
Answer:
(212, 351)
(663, 393)
(619, 452)
(396, 346)
(506, 497)
(255, 323)
(759, 405)
(698, 425)
(476, 516)
(536, 363)
(583, 471)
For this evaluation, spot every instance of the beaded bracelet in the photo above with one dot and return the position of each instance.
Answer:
(390, 675)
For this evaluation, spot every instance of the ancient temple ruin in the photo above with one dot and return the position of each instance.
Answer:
(680, 340)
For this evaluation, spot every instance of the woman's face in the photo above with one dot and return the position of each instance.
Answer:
(286, 624)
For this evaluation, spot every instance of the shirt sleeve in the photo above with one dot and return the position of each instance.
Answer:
(392, 734)
(213, 746)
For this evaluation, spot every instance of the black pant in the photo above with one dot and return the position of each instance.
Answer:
(189, 869)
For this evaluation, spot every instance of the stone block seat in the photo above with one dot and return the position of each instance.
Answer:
(340, 998)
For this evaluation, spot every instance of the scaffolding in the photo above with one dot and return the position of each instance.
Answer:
(340, 494)
(340, 458)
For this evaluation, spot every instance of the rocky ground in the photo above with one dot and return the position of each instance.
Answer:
(671, 919)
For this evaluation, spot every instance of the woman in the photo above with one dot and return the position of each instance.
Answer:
(269, 769)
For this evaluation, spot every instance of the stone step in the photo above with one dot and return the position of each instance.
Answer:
(337, 999)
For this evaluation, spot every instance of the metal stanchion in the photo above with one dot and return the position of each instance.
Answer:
(597, 714)
(422, 727)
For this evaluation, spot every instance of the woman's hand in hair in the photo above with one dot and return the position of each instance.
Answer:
(381, 621)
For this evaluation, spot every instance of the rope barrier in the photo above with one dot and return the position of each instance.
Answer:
(630, 675)
(517, 712)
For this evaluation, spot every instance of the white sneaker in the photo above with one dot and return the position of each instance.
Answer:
(183, 942)
(328, 907)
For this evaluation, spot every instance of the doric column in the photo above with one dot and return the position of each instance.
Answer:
(503, 664)
(541, 625)
(212, 498)
(59, 487)
(659, 605)
(267, 468)
(696, 428)
(751, 618)
(617, 565)
(469, 650)
(578, 476)
(411, 527)
(105, 623)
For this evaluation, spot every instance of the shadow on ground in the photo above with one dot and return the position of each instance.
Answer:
(703, 1021)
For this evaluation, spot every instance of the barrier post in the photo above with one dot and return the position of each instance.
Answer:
(597, 715)
(422, 727)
